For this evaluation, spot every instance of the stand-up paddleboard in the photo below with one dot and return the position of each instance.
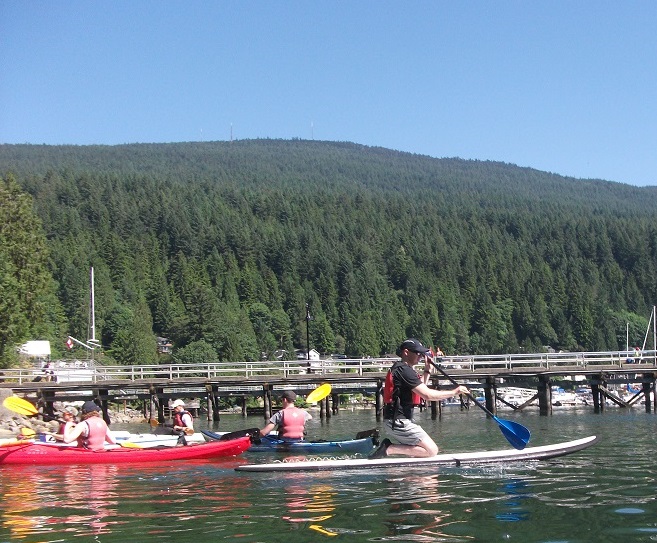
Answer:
(446, 459)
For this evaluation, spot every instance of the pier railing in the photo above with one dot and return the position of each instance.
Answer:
(360, 366)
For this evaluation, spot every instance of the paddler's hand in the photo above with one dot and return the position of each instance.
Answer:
(461, 390)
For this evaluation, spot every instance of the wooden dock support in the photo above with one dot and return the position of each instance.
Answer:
(598, 394)
(436, 410)
(490, 391)
(101, 400)
(379, 400)
(157, 406)
(544, 395)
(648, 387)
(335, 403)
(266, 398)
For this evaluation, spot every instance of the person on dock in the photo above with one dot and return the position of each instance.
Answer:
(407, 389)
(291, 420)
(92, 432)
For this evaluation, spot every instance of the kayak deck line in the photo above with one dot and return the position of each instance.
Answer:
(455, 459)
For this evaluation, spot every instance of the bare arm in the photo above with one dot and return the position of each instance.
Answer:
(72, 431)
(432, 395)
(109, 437)
(267, 429)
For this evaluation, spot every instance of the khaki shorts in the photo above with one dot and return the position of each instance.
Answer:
(406, 431)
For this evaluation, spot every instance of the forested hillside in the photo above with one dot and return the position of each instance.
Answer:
(220, 246)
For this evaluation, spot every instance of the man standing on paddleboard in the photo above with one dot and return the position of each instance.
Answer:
(403, 391)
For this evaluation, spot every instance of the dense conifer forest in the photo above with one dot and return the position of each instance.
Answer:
(219, 246)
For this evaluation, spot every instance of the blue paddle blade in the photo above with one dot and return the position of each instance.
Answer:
(515, 433)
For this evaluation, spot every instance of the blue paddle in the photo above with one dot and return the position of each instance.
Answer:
(515, 433)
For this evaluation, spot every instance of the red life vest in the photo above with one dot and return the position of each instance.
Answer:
(389, 388)
(178, 418)
(293, 423)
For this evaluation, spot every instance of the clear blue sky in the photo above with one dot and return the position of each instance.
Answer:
(564, 86)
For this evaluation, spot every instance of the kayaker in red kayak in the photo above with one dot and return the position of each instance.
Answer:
(69, 414)
(181, 417)
(92, 432)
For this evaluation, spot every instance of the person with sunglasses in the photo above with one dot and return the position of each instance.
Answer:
(404, 388)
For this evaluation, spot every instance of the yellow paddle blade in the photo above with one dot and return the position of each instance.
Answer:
(27, 432)
(321, 530)
(319, 393)
(129, 445)
(20, 406)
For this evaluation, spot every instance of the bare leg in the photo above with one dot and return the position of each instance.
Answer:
(425, 448)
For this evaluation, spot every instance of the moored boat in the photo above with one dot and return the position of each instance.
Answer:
(57, 454)
(363, 443)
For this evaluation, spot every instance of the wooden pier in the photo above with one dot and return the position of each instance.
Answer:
(155, 386)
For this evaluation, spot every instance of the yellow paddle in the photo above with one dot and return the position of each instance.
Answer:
(129, 445)
(321, 392)
(20, 406)
(25, 408)
(28, 433)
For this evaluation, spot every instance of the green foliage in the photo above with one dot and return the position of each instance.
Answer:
(219, 246)
(197, 352)
(29, 308)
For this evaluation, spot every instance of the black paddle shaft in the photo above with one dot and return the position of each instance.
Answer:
(453, 381)
(515, 433)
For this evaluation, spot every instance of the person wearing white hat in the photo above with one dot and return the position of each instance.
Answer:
(182, 418)
(69, 414)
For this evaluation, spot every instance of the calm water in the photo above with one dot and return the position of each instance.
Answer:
(606, 493)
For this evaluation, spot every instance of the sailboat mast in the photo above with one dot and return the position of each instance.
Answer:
(92, 339)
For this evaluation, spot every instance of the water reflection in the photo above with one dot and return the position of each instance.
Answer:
(91, 491)
(601, 494)
(312, 505)
(419, 510)
(512, 508)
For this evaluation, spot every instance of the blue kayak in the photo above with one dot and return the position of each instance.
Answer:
(363, 443)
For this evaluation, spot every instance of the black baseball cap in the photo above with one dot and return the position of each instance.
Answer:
(90, 406)
(414, 345)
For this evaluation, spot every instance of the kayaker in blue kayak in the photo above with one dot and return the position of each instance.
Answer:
(92, 432)
(290, 421)
(404, 390)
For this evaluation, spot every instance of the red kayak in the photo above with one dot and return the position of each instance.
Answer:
(43, 453)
